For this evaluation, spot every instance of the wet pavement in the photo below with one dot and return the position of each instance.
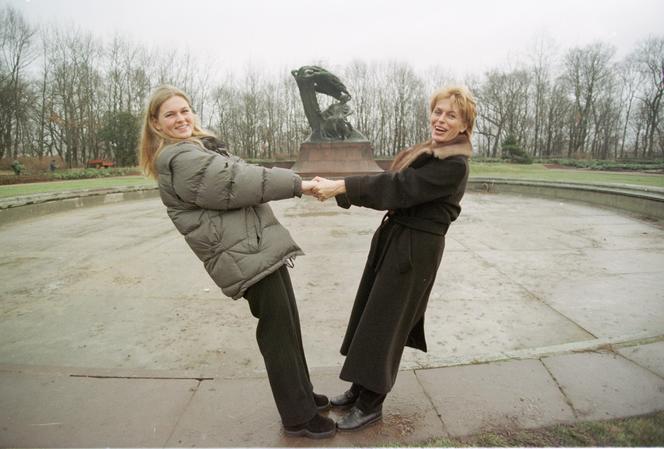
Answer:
(112, 334)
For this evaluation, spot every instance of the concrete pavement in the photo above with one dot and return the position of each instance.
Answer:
(111, 334)
(47, 407)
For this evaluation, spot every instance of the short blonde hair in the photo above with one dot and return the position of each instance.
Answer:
(463, 100)
(153, 140)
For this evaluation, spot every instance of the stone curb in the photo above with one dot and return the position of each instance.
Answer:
(40, 198)
(643, 200)
(626, 189)
(20, 208)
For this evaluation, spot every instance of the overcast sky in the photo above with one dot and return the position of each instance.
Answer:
(468, 36)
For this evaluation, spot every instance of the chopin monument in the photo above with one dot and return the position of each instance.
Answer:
(334, 147)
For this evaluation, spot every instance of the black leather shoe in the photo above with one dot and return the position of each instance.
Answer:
(317, 428)
(322, 402)
(356, 419)
(345, 400)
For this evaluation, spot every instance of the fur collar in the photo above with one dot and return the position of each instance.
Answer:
(459, 146)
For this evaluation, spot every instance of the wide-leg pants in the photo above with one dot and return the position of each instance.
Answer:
(279, 338)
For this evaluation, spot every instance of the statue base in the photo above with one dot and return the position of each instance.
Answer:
(336, 159)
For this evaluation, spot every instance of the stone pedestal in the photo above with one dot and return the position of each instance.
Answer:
(336, 159)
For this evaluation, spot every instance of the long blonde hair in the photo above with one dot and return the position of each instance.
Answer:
(153, 140)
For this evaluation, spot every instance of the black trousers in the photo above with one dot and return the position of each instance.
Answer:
(368, 401)
(272, 301)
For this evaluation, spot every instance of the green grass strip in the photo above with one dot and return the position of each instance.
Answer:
(538, 172)
(641, 431)
(12, 190)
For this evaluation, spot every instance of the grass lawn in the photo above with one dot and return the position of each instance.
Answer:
(641, 431)
(12, 190)
(539, 172)
(536, 172)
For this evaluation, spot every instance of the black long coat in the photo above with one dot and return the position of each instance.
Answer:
(406, 250)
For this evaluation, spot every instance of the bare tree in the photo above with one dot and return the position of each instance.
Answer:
(296, 127)
(628, 76)
(503, 106)
(541, 57)
(403, 88)
(16, 37)
(605, 116)
(585, 70)
(222, 110)
(250, 113)
(649, 57)
(360, 80)
(557, 120)
(76, 83)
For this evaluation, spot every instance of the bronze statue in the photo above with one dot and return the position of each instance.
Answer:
(330, 124)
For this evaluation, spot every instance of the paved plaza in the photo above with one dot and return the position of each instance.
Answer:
(112, 333)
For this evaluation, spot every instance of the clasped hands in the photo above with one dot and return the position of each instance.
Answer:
(323, 188)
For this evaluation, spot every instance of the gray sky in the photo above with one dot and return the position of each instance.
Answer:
(467, 36)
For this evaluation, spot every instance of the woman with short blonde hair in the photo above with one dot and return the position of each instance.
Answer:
(422, 194)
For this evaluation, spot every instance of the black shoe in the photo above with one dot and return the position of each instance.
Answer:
(317, 427)
(357, 419)
(322, 402)
(345, 400)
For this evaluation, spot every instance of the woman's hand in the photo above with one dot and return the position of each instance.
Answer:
(326, 188)
(307, 187)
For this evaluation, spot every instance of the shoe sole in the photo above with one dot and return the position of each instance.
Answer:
(309, 434)
(363, 426)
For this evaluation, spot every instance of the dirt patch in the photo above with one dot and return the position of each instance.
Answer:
(404, 425)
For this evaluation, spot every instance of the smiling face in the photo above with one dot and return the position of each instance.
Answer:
(446, 121)
(175, 118)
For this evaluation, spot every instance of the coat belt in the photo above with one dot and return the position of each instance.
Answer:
(420, 224)
(405, 223)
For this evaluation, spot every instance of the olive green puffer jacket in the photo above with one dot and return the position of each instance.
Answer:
(217, 201)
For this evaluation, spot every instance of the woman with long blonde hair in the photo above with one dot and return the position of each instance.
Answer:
(218, 203)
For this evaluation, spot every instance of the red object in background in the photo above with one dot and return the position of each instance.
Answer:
(99, 163)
